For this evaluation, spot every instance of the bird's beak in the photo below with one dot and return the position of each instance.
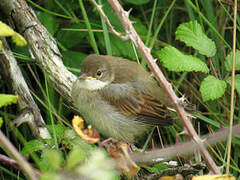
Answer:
(85, 77)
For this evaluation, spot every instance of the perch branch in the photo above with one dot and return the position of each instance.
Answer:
(15, 79)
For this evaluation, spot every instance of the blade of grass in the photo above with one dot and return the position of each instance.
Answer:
(105, 33)
(50, 111)
(47, 11)
(91, 35)
(7, 171)
(160, 24)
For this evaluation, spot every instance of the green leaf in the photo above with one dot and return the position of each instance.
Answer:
(50, 175)
(75, 157)
(73, 59)
(212, 88)
(236, 83)
(19, 40)
(59, 128)
(158, 167)
(192, 34)
(49, 21)
(71, 139)
(70, 38)
(32, 146)
(119, 48)
(176, 61)
(228, 61)
(5, 30)
(7, 99)
(138, 2)
(52, 160)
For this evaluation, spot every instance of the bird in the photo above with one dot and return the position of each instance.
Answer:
(119, 98)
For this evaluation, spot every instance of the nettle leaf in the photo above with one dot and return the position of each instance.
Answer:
(236, 83)
(7, 99)
(176, 61)
(192, 34)
(212, 88)
(228, 61)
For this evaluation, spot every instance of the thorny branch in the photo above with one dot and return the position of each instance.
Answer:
(134, 37)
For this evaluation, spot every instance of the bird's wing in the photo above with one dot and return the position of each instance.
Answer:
(144, 107)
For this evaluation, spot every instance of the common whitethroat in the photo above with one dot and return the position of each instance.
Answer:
(119, 98)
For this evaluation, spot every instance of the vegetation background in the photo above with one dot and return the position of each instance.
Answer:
(79, 31)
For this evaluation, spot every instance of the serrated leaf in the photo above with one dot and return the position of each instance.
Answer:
(192, 34)
(75, 157)
(176, 61)
(228, 61)
(236, 83)
(212, 88)
(32, 146)
(7, 99)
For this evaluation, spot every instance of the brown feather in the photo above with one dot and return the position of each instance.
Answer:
(144, 108)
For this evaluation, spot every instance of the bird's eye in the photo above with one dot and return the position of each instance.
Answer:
(99, 73)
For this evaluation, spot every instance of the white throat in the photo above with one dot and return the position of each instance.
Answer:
(92, 84)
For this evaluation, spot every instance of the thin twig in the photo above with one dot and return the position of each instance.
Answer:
(185, 148)
(8, 161)
(20, 160)
(213, 68)
(111, 28)
(233, 87)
